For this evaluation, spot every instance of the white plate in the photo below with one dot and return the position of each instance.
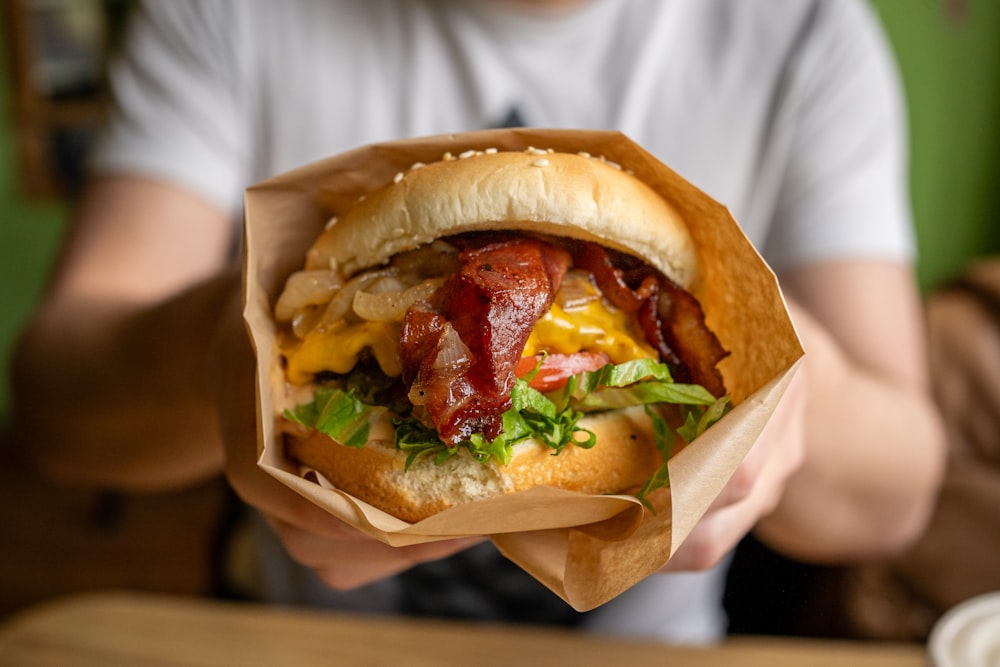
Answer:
(968, 635)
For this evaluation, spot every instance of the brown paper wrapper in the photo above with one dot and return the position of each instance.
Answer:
(587, 549)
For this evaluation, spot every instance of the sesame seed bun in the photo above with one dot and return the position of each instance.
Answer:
(562, 194)
(622, 461)
(535, 191)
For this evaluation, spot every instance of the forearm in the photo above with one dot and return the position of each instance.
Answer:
(874, 457)
(118, 394)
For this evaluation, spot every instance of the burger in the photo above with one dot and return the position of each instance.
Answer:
(495, 321)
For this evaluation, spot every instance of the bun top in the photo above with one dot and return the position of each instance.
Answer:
(562, 194)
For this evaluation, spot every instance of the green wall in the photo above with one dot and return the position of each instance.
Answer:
(29, 232)
(951, 70)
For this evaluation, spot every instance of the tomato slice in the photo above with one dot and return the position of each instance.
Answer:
(557, 368)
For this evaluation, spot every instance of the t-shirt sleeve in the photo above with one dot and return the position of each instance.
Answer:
(845, 191)
(178, 112)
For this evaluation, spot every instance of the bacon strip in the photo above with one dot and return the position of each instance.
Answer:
(683, 329)
(611, 279)
(493, 303)
(459, 351)
(671, 319)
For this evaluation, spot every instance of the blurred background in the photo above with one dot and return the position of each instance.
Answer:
(54, 540)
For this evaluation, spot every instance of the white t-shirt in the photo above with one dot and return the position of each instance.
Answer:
(787, 111)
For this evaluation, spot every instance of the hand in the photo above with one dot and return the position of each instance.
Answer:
(341, 555)
(756, 487)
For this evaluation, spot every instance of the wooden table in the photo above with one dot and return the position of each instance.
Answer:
(144, 629)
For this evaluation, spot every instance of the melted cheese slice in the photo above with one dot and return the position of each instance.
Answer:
(593, 327)
(337, 348)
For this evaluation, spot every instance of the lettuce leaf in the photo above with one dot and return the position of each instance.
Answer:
(339, 414)
(550, 418)
(663, 437)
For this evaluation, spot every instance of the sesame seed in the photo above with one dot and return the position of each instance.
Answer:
(398, 231)
(490, 151)
(466, 154)
(535, 151)
(416, 165)
(540, 162)
(398, 177)
(330, 223)
(584, 154)
(447, 156)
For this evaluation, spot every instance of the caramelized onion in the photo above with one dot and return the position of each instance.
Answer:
(379, 305)
(341, 305)
(304, 289)
(451, 352)
(577, 290)
(436, 259)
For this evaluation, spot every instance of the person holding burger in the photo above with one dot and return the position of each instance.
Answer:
(787, 112)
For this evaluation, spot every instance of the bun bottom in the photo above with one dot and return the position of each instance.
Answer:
(622, 460)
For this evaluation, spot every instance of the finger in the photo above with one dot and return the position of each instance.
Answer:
(714, 537)
(358, 573)
(719, 531)
(780, 446)
(725, 524)
(313, 550)
(348, 563)
(743, 479)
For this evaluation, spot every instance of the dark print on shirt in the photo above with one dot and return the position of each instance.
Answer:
(513, 119)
